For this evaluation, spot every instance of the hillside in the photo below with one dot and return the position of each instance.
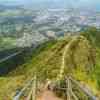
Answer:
(26, 72)
(47, 62)
(93, 35)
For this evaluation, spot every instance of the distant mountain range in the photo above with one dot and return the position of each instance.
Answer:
(89, 4)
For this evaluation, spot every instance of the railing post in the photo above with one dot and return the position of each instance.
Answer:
(71, 91)
(32, 94)
(34, 88)
(67, 89)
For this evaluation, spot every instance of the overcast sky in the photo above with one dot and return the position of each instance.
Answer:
(58, 3)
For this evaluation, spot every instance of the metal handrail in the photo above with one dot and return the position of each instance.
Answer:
(69, 92)
(17, 97)
(86, 91)
(33, 92)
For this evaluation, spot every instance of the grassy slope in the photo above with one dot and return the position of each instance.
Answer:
(93, 35)
(46, 61)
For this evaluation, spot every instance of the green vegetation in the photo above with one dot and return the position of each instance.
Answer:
(7, 43)
(45, 61)
(82, 62)
(93, 34)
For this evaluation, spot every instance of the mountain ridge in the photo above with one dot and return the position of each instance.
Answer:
(46, 62)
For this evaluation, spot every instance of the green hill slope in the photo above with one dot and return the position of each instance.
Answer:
(45, 59)
(46, 62)
(93, 35)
